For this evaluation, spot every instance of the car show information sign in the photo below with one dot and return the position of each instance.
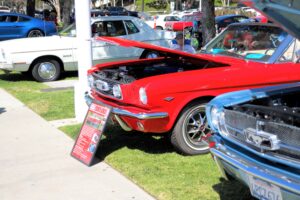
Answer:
(90, 134)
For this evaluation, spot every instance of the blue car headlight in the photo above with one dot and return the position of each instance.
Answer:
(216, 120)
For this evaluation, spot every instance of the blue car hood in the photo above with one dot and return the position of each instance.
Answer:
(234, 98)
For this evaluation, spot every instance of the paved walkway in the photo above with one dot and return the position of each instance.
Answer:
(35, 162)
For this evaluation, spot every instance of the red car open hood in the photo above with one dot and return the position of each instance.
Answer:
(286, 13)
(163, 51)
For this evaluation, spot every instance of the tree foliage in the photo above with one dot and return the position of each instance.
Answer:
(157, 4)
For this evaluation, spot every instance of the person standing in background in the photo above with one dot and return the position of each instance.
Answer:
(179, 43)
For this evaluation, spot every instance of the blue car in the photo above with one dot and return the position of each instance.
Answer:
(14, 25)
(256, 133)
(256, 139)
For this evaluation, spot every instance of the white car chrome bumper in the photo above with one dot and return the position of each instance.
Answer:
(6, 66)
(21, 67)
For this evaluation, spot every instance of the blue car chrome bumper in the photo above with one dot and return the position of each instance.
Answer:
(240, 167)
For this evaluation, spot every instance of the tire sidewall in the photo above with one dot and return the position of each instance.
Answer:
(178, 137)
(42, 34)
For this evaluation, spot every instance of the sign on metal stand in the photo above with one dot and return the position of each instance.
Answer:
(90, 134)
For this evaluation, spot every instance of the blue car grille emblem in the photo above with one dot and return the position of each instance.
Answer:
(262, 139)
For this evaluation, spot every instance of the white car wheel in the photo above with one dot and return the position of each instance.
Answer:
(46, 70)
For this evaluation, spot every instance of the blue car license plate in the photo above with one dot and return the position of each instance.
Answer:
(264, 190)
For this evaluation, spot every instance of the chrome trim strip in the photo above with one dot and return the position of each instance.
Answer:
(220, 167)
(117, 111)
(141, 116)
(285, 44)
(257, 171)
(46, 50)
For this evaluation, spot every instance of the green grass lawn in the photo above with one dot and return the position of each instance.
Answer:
(149, 161)
(152, 163)
(49, 105)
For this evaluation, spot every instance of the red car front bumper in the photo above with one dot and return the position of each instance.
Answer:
(140, 120)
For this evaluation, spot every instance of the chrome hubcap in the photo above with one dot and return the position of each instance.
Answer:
(196, 129)
(47, 70)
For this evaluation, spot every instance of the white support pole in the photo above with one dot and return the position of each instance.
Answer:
(200, 5)
(84, 55)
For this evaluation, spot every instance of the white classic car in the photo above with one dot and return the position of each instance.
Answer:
(160, 21)
(45, 58)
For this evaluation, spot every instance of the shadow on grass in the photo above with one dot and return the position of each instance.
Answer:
(16, 77)
(115, 138)
(70, 74)
(232, 190)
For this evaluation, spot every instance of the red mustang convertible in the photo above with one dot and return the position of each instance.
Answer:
(168, 94)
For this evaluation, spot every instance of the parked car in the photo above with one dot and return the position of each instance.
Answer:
(221, 22)
(14, 25)
(113, 11)
(249, 10)
(256, 132)
(224, 20)
(4, 9)
(169, 94)
(186, 22)
(160, 21)
(46, 58)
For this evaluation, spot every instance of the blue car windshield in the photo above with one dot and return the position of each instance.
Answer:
(254, 42)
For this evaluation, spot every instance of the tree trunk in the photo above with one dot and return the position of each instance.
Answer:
(30, 7)
(55, 5)
(66, 12)
(208, 21)
(57, 8)
(143, 4)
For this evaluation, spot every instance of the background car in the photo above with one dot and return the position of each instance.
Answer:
(13, 25)
(159, 21)
(168, 95)
(113, 11)
(186, 22)
(4, 9)
(46, 58)
(224, 20)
